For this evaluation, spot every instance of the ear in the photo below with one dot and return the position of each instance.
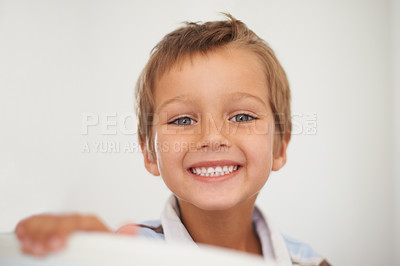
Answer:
(280, 159)
(149, 163)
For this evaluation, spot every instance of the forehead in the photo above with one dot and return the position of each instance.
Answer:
(217, 73)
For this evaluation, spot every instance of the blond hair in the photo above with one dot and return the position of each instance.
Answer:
(202, 38)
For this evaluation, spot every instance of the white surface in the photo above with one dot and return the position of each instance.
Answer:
(62, 59)
(105, 249)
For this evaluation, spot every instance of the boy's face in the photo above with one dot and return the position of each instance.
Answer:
(213, 117)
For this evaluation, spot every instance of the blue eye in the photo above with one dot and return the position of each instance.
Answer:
(242, 118)
(183, 121)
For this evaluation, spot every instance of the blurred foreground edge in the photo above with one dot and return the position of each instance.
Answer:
(107, 249)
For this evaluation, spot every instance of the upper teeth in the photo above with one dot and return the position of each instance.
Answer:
(214, 171)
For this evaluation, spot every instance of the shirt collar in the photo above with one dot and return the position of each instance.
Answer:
(272, 242)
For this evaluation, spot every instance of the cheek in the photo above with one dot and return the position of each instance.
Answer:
(262, 154)
(171, 149)
(258, 149)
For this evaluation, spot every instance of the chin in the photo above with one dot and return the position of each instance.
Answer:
(216, 203)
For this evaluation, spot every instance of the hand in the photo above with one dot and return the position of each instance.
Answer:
(42, 234)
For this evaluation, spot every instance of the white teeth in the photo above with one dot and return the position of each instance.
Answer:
(217, 171)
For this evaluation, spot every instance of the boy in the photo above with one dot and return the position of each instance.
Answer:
(213, 106)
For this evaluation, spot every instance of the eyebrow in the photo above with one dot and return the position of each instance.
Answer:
(243, 95)
(179, 98)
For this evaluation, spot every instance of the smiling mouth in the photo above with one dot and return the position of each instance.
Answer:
(214, 171)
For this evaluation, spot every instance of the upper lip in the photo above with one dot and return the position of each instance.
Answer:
(213, 163)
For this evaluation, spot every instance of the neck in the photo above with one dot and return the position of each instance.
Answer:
(232, 228)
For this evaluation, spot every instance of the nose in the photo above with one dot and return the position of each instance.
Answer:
(214, 134)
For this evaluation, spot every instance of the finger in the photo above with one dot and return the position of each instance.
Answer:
(19, 230)
(32, 248)
(43, 247)
(56, 242)
(34, 235)
(38, 249)
(25, 249)
(129, 229)
(26, 245)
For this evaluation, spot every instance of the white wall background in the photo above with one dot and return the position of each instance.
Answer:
(62, 59)
(395, 18)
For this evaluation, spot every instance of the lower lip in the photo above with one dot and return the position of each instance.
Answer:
(215, 179)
